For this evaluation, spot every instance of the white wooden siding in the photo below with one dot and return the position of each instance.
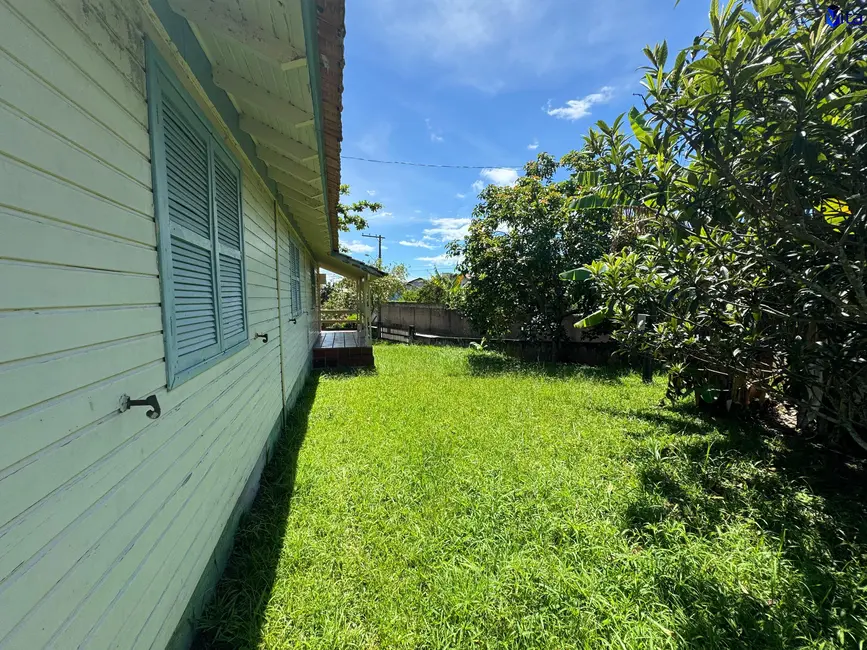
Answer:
(294, 335)
(107, 520)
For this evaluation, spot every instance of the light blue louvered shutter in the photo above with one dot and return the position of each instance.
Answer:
(293, 304)
(227, 204)
(296, 281)
(194, 334)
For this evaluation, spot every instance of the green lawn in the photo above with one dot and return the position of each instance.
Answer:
(454, 499)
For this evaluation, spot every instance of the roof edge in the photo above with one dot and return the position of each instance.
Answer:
(344, 264)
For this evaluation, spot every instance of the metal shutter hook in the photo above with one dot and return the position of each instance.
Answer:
(155, 411)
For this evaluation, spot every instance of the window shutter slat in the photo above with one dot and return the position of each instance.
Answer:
(295, 279)
(193, 296)
(186, 173)
(226, 189)
(192, 260)
(298, 280)
(227, 203)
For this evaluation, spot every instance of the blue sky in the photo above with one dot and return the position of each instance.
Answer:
(481, 82)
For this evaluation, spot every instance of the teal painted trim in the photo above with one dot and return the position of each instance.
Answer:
(162, 81)
(311, 46)
(198, 369)
(215, 246)
(161, 209)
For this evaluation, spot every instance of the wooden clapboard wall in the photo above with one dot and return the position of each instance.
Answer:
(108, 519)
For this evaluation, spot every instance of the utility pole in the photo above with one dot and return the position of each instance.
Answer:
(378, 312)
(379, 238)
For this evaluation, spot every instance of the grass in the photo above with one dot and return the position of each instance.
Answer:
(454, 499)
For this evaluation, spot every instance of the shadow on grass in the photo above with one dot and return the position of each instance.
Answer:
(808, 503)
(681, 418)
(485, 364)
(346, 373)
(236, 615)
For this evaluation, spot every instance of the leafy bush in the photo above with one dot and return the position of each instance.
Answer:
(749, 180)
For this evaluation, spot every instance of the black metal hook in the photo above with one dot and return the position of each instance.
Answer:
(293, 320)
(151, 400)
(264, 337)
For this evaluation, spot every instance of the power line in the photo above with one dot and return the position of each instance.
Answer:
(417, 164)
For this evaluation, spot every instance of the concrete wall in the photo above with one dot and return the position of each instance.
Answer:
(427, 319)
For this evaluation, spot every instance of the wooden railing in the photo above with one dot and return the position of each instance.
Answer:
(341, 317)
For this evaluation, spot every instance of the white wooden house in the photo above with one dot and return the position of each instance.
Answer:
(169, 174)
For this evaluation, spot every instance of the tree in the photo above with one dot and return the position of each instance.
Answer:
(352, 215)
(325, 292)
(440, 289)
(344, 292)
(519, 239)
(409, 295)
(749, 173)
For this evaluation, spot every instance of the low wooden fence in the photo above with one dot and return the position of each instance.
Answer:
(395, 334)
(596, 352)
(439, 320)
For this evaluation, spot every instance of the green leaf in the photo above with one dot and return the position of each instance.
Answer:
(838, 103)
(590, 202)
(706, 64)
(576, 275)
(662, 54)
(835, 211)
(594, 319)
(639, 128)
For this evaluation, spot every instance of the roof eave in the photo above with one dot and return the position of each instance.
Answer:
(324, 25)
(348, 266)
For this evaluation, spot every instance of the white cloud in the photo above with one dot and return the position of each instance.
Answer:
(501, 176)
(435, 134)
(417, 244)
(575, 109)
(356, 246)
(378, 215)
(533, 145)
(460, 196)
(371, 192)
(448, 229)
(444, 260)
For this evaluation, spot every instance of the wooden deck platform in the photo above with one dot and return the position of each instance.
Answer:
(348, 349)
